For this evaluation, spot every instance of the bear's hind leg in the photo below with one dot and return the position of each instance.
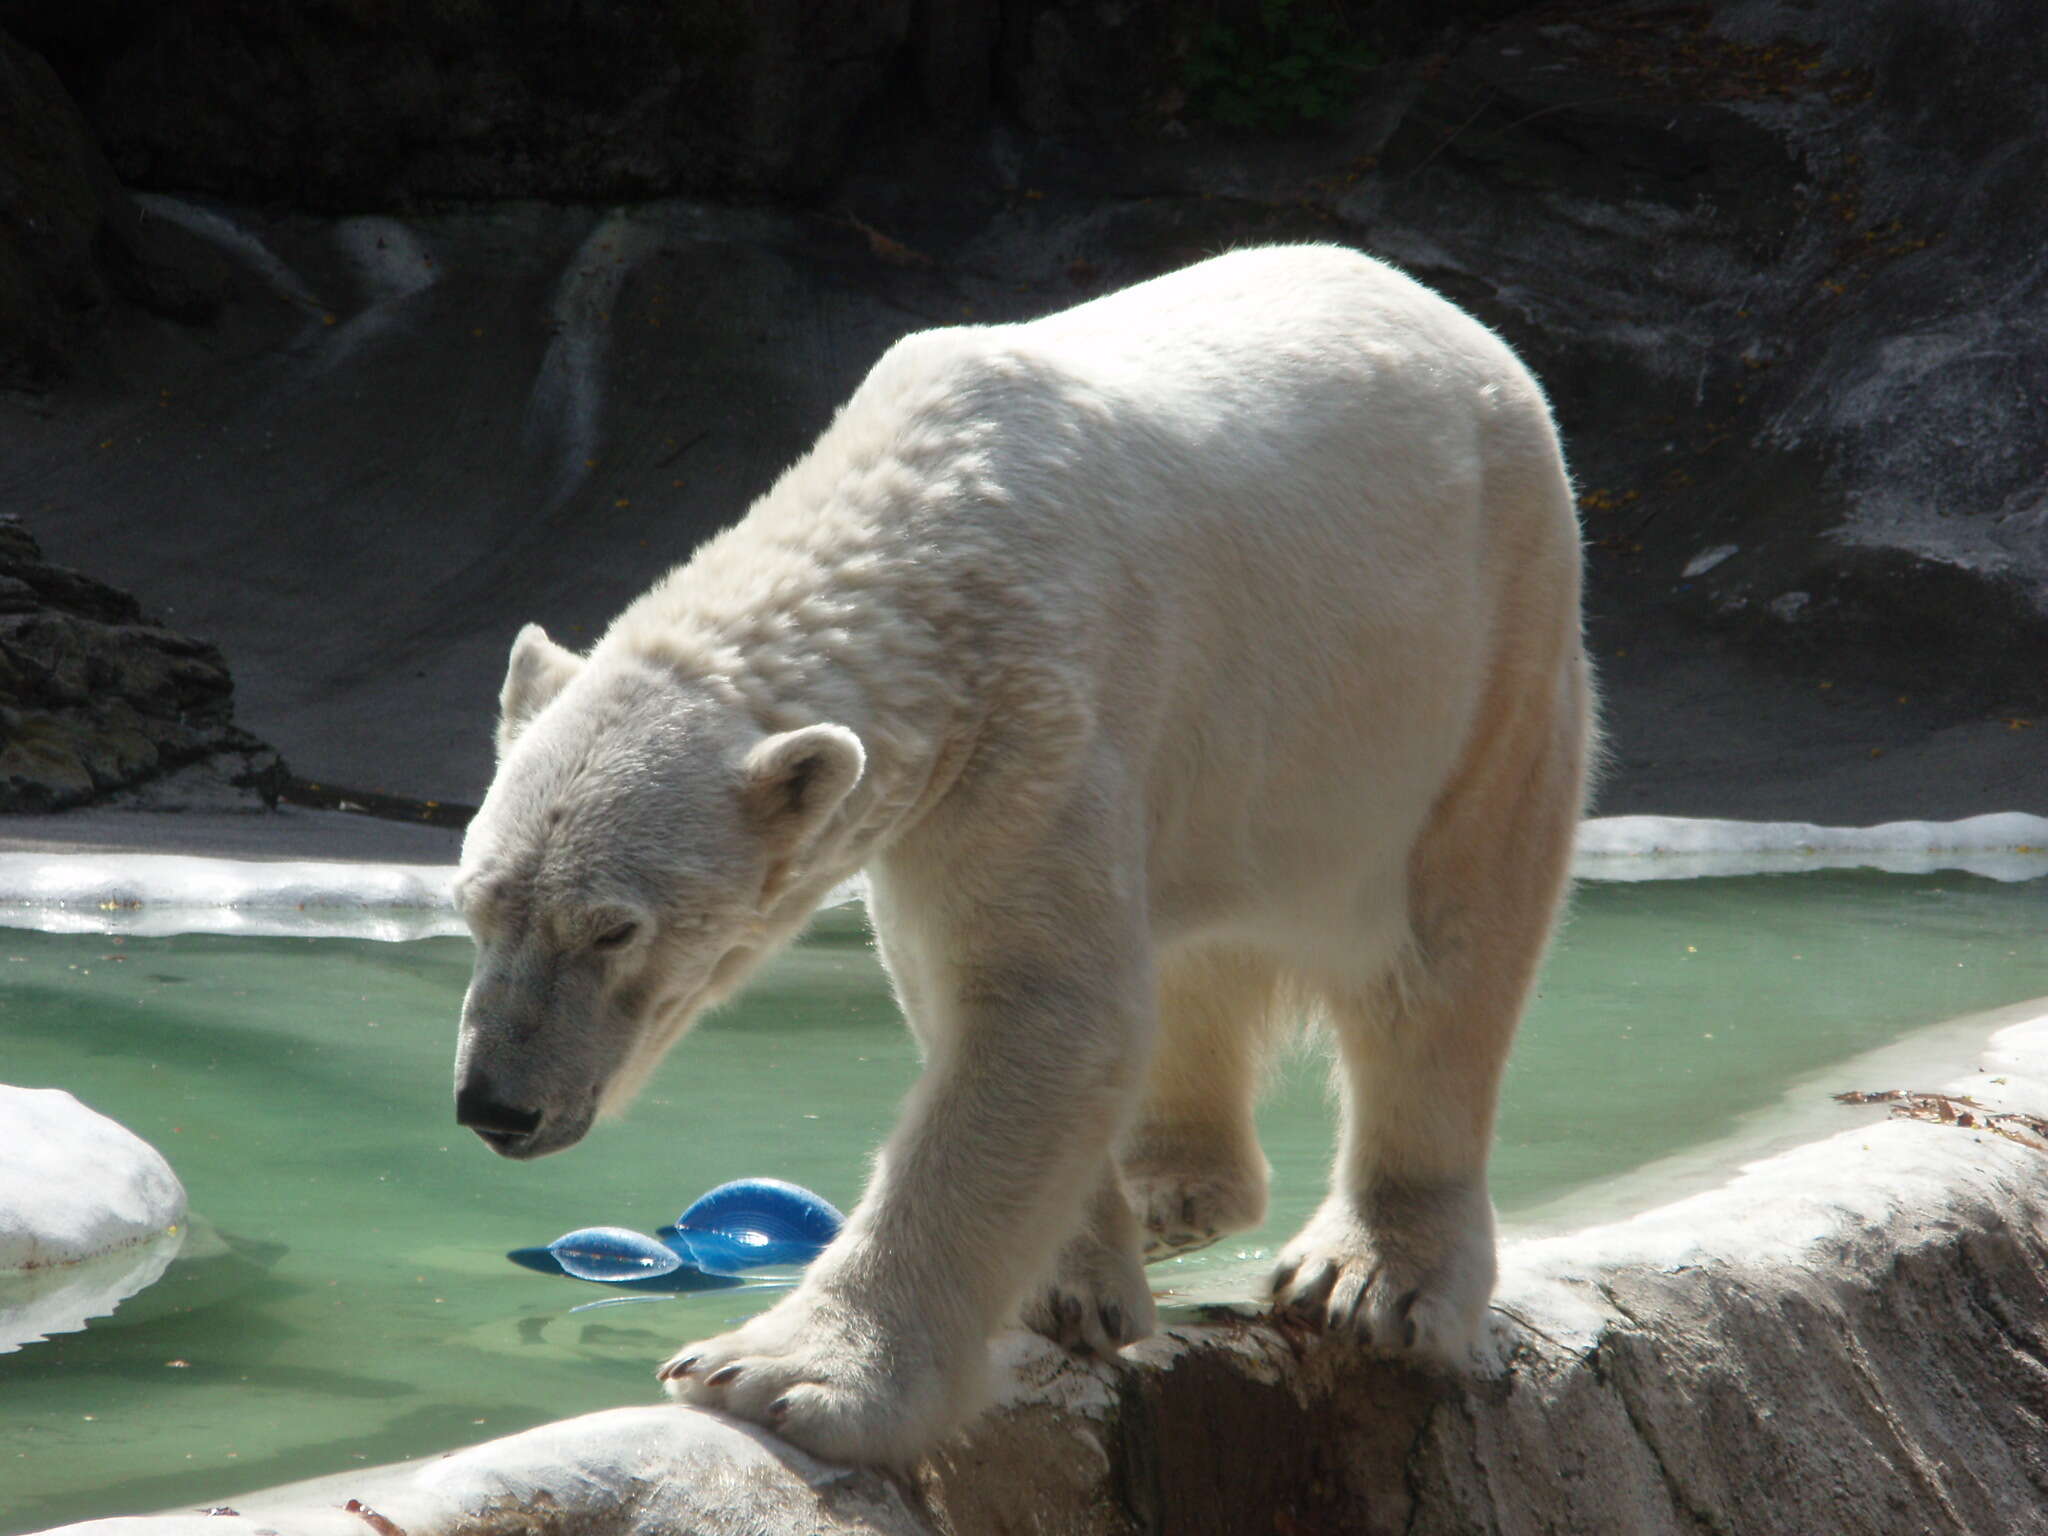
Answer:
(1191, 1164)
(1402, 1250)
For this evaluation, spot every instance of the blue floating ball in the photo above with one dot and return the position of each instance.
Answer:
(652, 1276)
(536, 1259)
(752, 1223)
(612, 1254)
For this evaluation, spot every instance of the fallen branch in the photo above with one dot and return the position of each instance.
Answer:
(1958, 1110)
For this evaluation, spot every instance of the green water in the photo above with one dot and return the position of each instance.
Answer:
(355, 1307)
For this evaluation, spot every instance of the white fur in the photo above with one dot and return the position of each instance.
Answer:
(1197, 657)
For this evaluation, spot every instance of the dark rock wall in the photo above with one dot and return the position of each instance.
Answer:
(347, 105)
(94, 696)
(1782, 270)
(1779, 263)
(353, 104)
(72, 242)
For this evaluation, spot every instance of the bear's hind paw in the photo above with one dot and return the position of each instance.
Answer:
(1179, 1213)
(1416, 1288)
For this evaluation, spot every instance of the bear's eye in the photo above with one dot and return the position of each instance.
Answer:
(618, 936)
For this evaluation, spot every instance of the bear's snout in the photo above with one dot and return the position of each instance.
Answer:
(505, 1128)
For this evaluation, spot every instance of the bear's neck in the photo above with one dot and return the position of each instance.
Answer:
(915, 748)
(814, 656)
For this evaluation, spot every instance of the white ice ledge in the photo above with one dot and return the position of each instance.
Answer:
(162, 893)
(145, 893)
(2007, 845)
(159, 893)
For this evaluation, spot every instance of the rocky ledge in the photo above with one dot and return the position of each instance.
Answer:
(1848, 1337)
(96, 697)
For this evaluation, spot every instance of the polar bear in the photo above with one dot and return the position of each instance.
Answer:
(1192, 661)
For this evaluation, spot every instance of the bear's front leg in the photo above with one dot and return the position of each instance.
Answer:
(1034, 1059)
(841, 1370)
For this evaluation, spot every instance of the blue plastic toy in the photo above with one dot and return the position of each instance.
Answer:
(747, 1224)
(753, 1223)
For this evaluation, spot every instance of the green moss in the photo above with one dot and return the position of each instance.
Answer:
(1294, 64)
(708, 30)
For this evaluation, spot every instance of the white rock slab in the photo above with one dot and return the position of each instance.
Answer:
(74, 1185)
(150, 894)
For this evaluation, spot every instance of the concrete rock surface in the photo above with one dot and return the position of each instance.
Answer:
(1851, 1337)
(627, 1470)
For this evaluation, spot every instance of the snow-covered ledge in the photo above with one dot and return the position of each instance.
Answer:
(2006, 845)
(155, 893)
(90, 1213)
(1848, 1337)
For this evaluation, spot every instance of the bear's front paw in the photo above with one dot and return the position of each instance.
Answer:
(830, 1377)
(1097, 1300)
(1407, 1271)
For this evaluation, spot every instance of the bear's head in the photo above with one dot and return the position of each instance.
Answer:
(644, 844)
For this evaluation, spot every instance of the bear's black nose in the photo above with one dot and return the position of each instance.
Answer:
(477, 1107)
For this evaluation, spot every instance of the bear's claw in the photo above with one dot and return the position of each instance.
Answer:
(1415, 1287)
(1100, 1328)
(838, 1381)
(676, 1369)
(1098, 1298)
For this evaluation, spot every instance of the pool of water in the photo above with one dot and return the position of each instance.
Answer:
(343, 1297)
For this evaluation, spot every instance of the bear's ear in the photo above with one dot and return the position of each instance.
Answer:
(540, 669)
(793, 781)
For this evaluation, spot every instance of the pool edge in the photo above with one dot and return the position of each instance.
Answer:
(1851, 1335)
